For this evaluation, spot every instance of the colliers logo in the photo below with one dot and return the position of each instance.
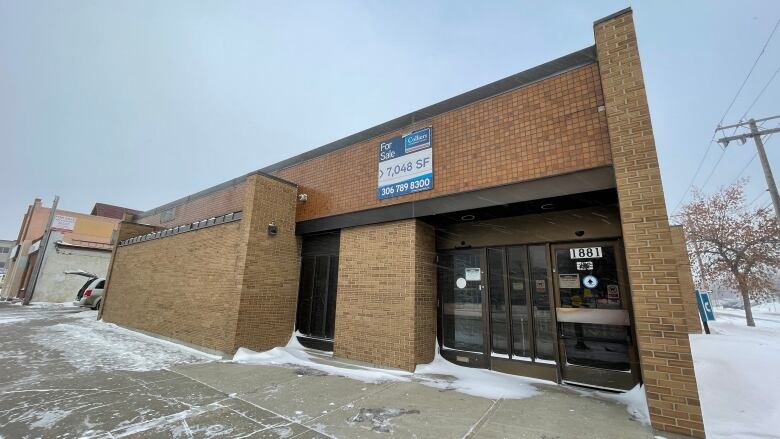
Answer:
(417, 140)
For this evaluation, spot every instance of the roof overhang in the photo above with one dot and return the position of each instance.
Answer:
(590, 180)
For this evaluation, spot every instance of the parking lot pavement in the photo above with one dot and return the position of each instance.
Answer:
(59, 378)
(65, 375)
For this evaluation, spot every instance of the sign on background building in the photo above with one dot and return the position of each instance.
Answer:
(63, 223)
(405, 164)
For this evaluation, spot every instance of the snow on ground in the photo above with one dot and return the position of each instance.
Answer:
(295, 354)
(440, 373)
(476, 382)
(634, 400)
(11, 319)
(736, 368)
(88, 344)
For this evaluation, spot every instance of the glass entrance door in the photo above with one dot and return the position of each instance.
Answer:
(461, 288)
(522, 334)
(594, 333)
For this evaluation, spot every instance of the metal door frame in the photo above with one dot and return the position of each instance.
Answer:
(580, 375)
(515, 365)
(467, 358)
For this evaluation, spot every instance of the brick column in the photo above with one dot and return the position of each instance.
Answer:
(386, 305)
(268, 281)
(660, 317)
(686, 280)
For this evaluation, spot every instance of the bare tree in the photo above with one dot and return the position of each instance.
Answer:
(738, 246)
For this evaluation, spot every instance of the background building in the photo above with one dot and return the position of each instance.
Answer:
(522, 224)
(78, 242)
(6, 247)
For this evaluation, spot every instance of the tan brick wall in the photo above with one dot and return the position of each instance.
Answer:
(660, 316)
(425, 293)
(271, 264)
(184, 286)
(125, 230)
(229, 199)
(220, 287)
(687, 287)
(385, 309)
(547, 128)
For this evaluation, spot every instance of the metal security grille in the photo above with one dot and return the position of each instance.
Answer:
(318, 284)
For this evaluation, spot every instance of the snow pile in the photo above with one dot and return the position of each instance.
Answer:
(294, 355)
(635, 402)
(89, 344)
(443, 374)
(736, 369)
(440, 373)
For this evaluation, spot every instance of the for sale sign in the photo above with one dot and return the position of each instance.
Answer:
(405, 164)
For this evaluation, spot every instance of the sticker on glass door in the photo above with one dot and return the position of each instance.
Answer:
(473, 274)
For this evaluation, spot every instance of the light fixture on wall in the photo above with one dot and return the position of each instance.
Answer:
(272, 229)
(303, 198)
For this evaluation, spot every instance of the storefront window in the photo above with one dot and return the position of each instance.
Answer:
(518, 296)
(460, 284)
(498, 308)
(543, 321)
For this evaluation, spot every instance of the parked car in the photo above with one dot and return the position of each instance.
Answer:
(90, 277)
(93, 294)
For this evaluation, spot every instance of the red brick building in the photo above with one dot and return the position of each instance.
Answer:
(521, 224)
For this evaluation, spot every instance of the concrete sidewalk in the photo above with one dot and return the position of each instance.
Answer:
(57, 387)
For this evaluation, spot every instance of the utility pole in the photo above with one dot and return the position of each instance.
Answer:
(41, 252)
(756, 134)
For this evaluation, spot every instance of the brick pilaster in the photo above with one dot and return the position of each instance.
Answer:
(660, 316)
(269, 277)
(385, 311)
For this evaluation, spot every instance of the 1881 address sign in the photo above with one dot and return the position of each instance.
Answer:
(405, 164)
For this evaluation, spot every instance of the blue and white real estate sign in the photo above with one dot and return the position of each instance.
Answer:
(405, 165)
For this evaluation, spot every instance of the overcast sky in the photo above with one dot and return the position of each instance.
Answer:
(138, 103)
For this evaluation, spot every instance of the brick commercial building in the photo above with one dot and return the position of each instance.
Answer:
(521, 224)
(78, 242)
(6, 247)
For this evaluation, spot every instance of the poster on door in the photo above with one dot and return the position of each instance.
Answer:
(569, 280)
(473, 274)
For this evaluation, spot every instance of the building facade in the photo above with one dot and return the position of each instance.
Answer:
(6, 247)
(519, 227)
(78, 242)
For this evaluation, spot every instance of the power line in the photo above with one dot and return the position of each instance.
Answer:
(731, 104)
(754, 155)
(764, 192)
(756, 134)
(772, 78)
(745, 167)
(714, 168)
